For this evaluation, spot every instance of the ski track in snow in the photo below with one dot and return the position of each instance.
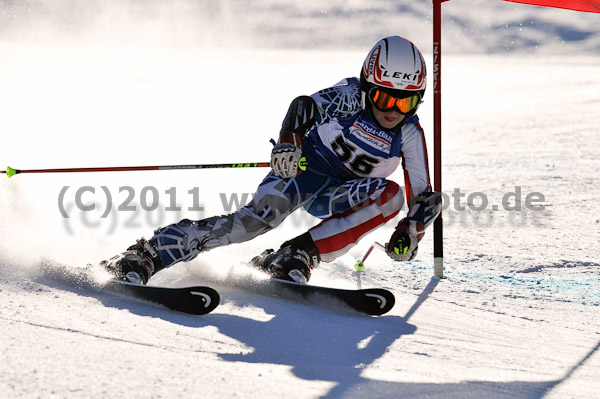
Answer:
(518, 315)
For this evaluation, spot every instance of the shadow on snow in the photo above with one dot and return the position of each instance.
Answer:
(327, 345)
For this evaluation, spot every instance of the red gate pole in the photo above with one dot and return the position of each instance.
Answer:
(438, 232)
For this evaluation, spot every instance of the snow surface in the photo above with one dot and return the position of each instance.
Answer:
(121, 83)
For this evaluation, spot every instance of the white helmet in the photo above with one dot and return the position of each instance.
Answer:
(394, 66)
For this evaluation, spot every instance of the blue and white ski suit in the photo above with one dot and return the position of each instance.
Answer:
(349, 158)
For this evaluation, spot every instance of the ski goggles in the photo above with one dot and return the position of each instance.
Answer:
(385, 102)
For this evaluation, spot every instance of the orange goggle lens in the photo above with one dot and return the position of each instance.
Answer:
(385, 102)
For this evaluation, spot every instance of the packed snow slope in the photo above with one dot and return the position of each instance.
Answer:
(142, 83)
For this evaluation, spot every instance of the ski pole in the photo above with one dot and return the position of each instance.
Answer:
(360, 263)
(11, 172)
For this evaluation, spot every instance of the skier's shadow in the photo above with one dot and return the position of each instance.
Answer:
(319, 345)
(335, 351)
(336, 347)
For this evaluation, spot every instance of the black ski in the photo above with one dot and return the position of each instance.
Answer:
(372, 301)
(192, 300)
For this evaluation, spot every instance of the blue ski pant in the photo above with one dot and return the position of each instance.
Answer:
(349, 209)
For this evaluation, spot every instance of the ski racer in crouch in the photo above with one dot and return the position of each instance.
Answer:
(334, 152)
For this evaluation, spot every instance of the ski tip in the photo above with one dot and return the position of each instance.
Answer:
(10, 172)
(380, 301)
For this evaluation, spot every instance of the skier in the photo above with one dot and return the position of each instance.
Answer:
(334, 152)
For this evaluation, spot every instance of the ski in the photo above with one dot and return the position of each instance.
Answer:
(372, 301)
(191, 300)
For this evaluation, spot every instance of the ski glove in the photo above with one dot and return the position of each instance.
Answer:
(286, 156)
(404, 242)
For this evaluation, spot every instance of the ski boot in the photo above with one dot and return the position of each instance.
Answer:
(293, 261)
(136, 265)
